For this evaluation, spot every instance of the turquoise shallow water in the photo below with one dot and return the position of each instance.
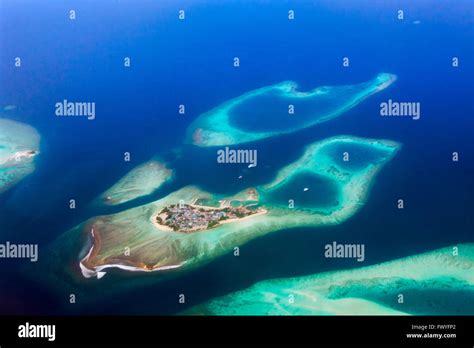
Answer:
(278, 109)
(419, 297)
(321, 193)
(270, 112)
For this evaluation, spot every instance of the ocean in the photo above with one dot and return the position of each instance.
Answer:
(190, 62)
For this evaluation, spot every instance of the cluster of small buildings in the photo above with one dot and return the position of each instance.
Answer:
(187, 218)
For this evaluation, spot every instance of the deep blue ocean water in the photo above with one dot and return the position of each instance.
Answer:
(190, 62)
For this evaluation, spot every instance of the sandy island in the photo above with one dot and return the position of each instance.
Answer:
(163, 227)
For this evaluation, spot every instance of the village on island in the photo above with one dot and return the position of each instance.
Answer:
(188, 218)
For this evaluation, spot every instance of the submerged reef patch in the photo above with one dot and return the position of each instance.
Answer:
(278, 109)
(429, 283)
(19, 145)
(140, 181)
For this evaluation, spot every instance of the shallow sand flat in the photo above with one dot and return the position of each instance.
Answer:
(352, 292)
(139, 182)
(19, 144)
(219, 127)
(154, 249)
